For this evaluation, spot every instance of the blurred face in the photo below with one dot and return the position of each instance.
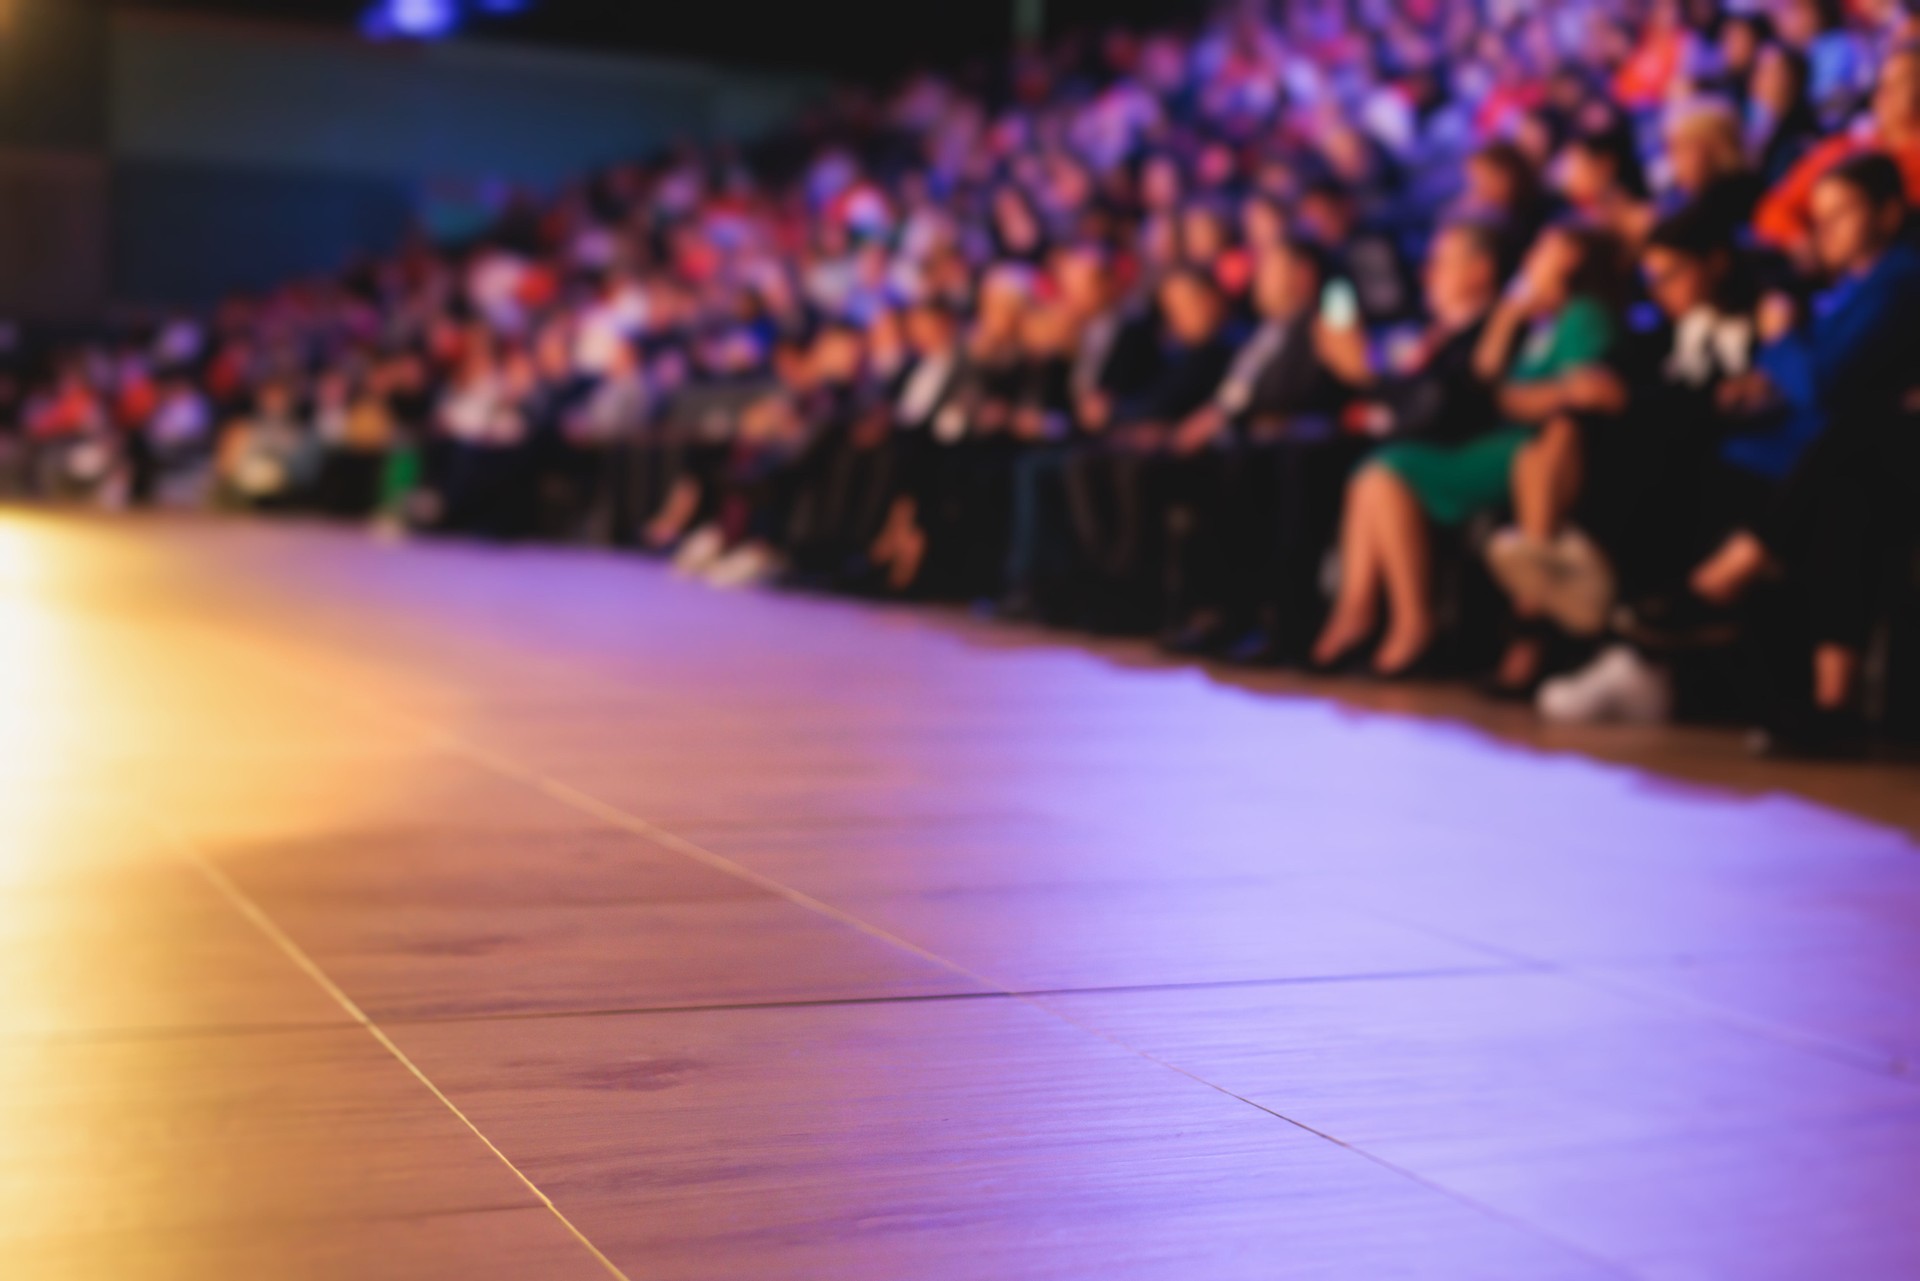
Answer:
(1461, 278)
(1488, 184)
(1676, 283)
(1896, 99)
(1201, 236)
(1081, 280)
(1549, 269)
(1848, 233)
(1285, 284)
(1324, 217)
(1798, 21)
(276, 400)
(1159, 183)
(1697, 157)
(1774, 84)
(837, 355)
(1261, 223)
(1192, 313)
(1585, 176)
(1738, 45)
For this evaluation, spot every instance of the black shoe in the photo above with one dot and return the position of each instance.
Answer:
(1196, 639)
(1424, 667)
(1259, 647)
(1812, 734)
(1016, 607)
(1679, 622)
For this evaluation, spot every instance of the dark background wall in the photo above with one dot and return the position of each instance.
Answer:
(53, 158)
(245, 153)
(867, 39)
(152, 159)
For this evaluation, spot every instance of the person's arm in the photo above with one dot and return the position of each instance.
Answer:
(1581, 336)
(1780, 219)
(1343, 350)
(1496, 340)
(1199, 429)
(1532, 402)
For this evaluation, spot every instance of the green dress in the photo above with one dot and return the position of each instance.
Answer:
(1454, 481)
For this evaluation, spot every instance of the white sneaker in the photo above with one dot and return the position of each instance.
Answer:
(745, 566)
(700, 551)
(1619, 688)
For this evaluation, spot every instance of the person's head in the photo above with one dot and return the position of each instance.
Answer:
(1462, 273)
(1896, 96)
(1161, 182)
(1287, 279)
(1500, 180)
(1741, 38)
(1704, 146)
(1263, 224)
(1203, 234)
(1014, 219)
(1081, 278)
(1190, 306)
(1686, 259)
(1570, 260)
(623, 360)
(1801, 22)
(1005, 294)
(1599, 164)
(1779, 84)
(1327, 211)
(275, 399)
(1857, 210)
(838, 353)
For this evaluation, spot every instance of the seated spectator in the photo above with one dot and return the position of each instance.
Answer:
(268, 458)
(1250, 473)
(1833, 386)
(1892, 126)
(1450, 458)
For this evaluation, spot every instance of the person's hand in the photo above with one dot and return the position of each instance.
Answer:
(1344, 351)
(1095, 410)
(1367, 418)
(1592, 389)
(1776, 317)
(1746, 393)
(1197, 432)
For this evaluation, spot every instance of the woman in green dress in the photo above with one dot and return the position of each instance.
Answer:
(1553, 323)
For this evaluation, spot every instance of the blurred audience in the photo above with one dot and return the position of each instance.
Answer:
(1566, 346)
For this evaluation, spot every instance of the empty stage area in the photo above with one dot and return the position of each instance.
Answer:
(443, 911)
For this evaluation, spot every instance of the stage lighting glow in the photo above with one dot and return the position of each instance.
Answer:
(412, 19)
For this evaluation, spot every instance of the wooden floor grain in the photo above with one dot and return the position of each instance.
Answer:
(380, 911)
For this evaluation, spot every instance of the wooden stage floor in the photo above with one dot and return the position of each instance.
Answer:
(436, 911)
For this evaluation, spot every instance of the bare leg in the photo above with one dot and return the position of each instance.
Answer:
(1520, 664)
(1405, 564)
(676, 513)
(1546, 480)
(1836, 673)
(1725, 576)
(1355, 609)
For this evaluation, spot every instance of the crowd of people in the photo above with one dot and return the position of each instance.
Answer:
(1561, 346)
